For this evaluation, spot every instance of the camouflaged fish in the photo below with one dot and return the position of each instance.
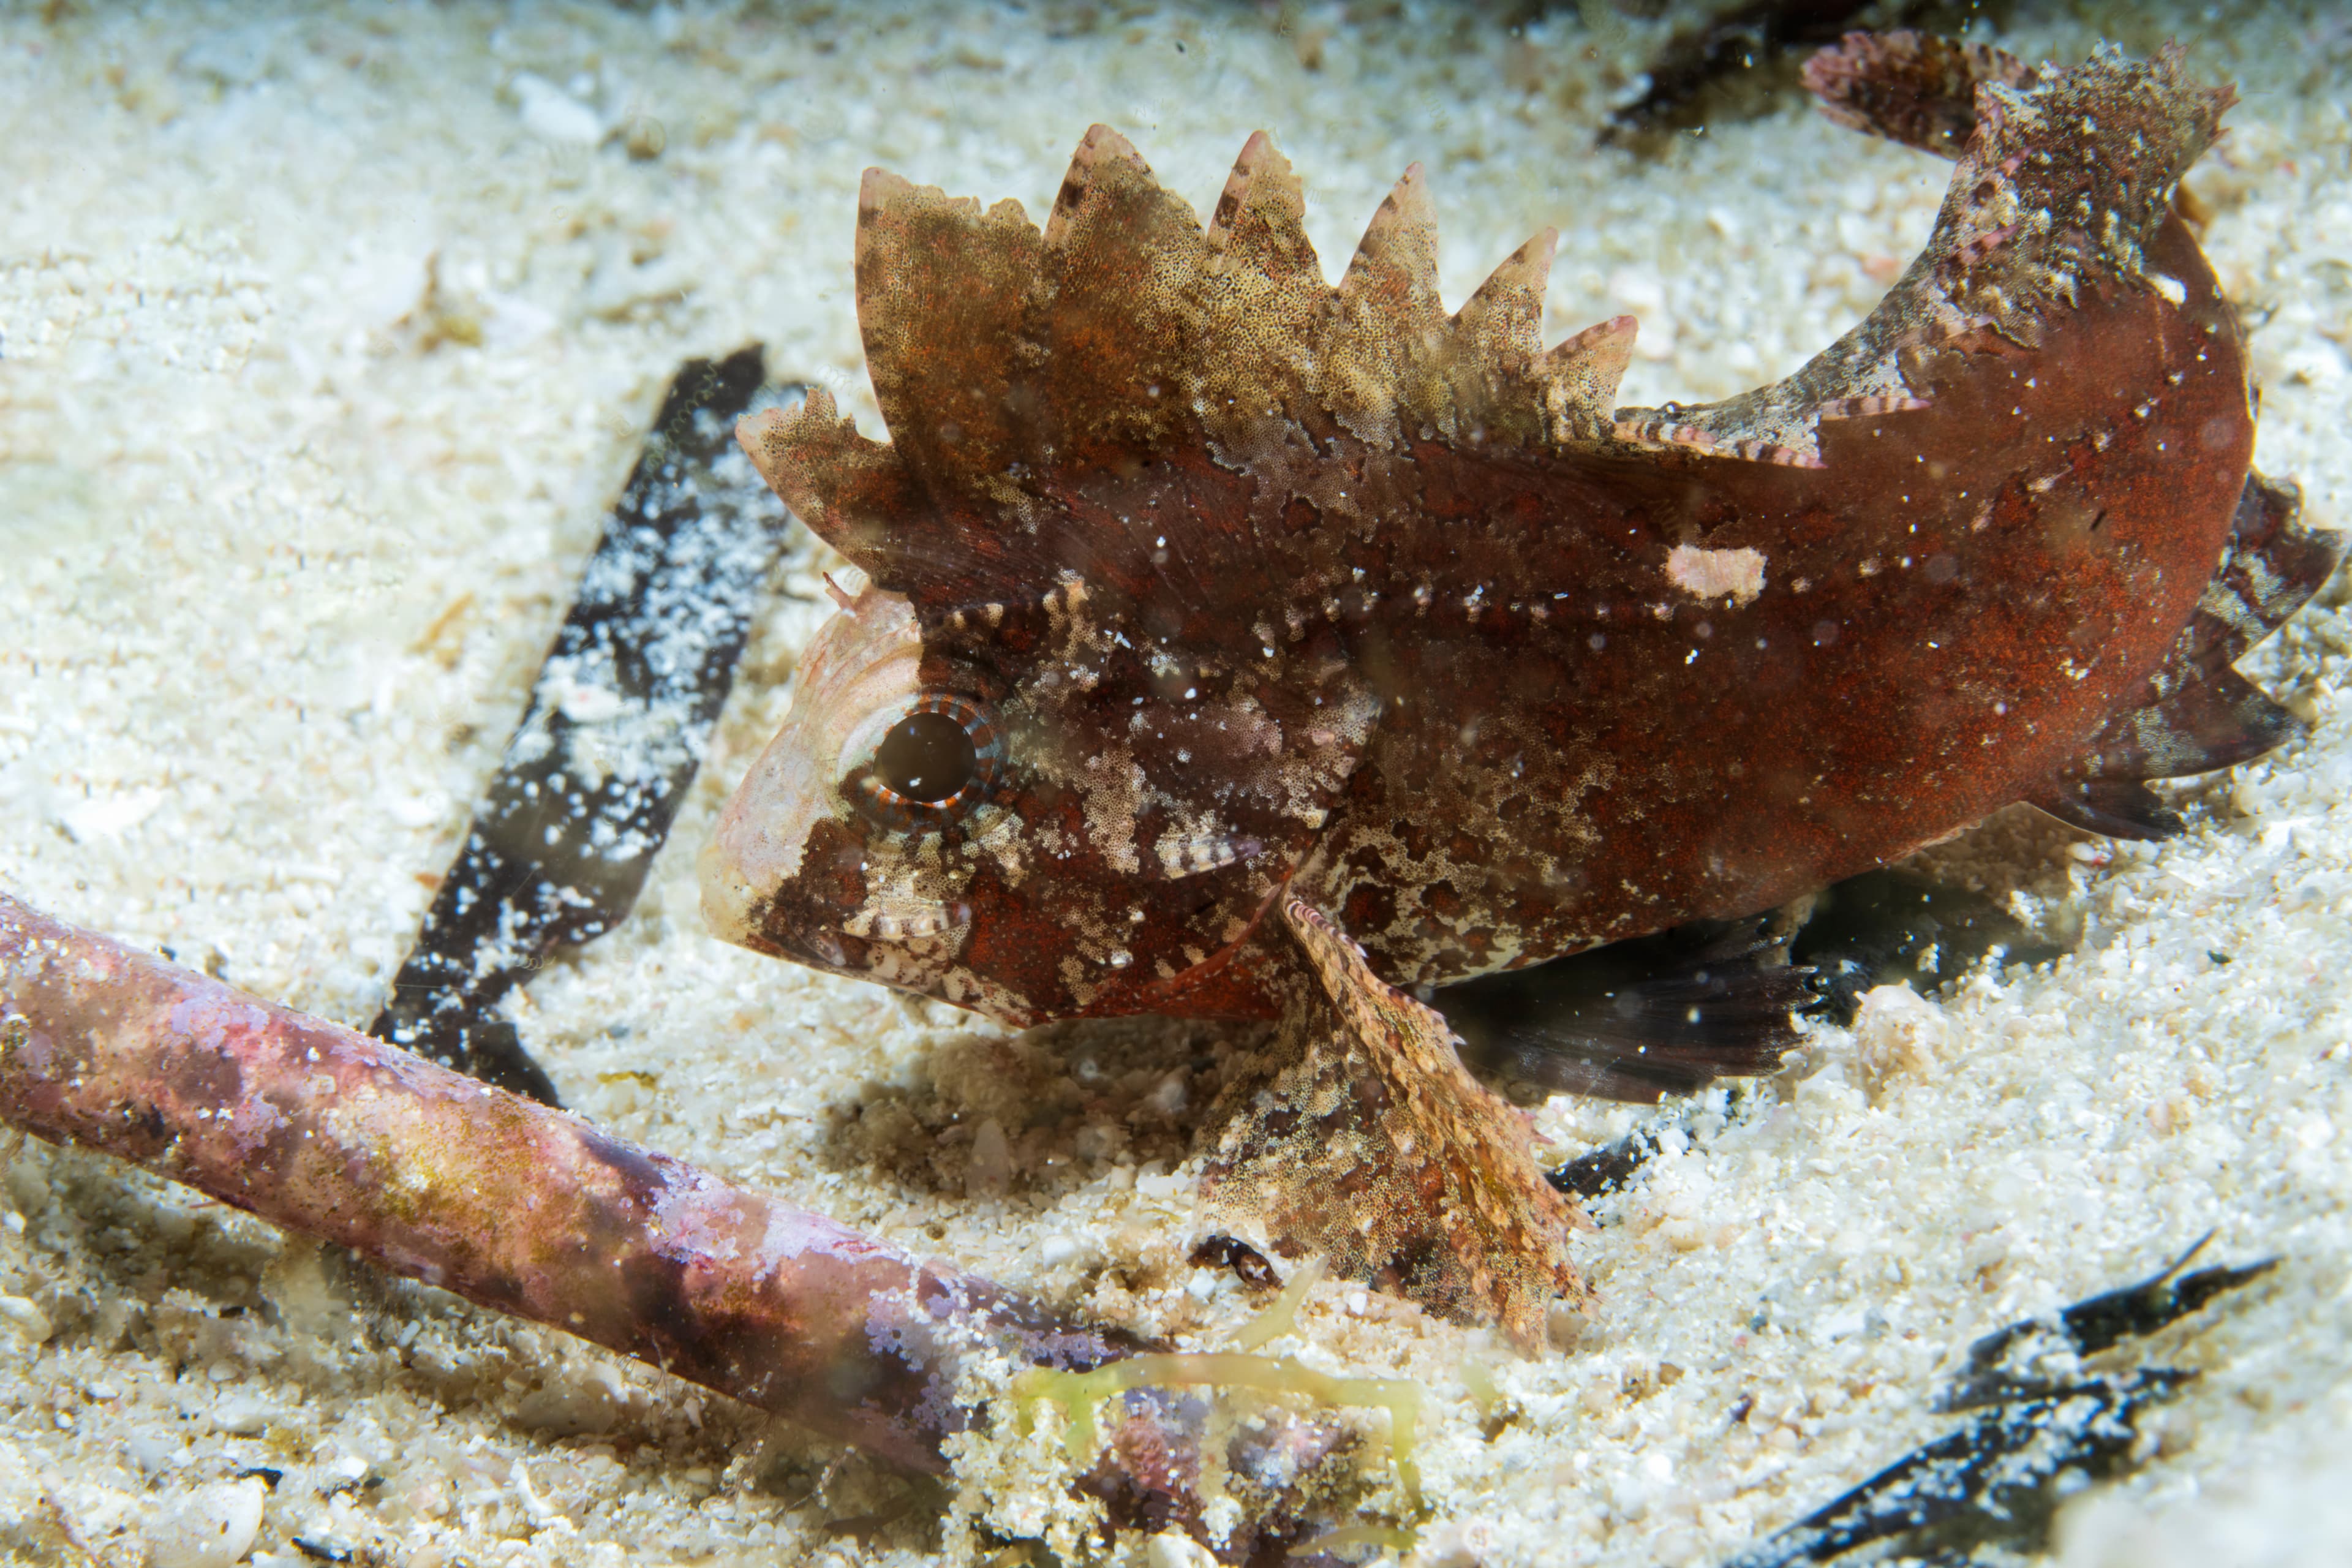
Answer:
(1236, 646)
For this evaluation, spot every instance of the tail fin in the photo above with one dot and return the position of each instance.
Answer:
(2195, 714)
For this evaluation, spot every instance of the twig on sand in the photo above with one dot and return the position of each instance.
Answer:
(533, 1212)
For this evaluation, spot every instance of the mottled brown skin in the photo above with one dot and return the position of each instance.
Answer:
(1306, 616)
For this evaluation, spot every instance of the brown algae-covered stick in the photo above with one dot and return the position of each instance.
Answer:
(493, 1196)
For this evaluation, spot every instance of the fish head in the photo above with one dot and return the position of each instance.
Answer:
(1034, 810)
(1096, 702)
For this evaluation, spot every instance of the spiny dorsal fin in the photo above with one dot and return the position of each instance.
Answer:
(943, 290)
(1115, 309)
(1261, 294)
(1106, 173)
(1579, 378)
(1260, 224)
(1382, 369)
(1502, 324)
(1495, 340)
(853, 493)
(1393, 273)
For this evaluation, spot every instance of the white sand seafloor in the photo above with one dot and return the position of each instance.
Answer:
(327, 335)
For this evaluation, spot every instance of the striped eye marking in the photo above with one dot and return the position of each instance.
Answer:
(924, 762)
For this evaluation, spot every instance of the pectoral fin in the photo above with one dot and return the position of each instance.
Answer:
(1638, 1020)
(1368, 1142)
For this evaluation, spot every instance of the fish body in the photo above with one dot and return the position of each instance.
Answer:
(1649, 687)
(1236, 645)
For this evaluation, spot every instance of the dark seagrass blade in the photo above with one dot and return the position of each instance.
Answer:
(619, 717)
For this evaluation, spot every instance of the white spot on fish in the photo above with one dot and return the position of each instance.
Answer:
(1708, 573)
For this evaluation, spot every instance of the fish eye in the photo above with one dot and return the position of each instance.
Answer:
(922, 763)
(927, 757)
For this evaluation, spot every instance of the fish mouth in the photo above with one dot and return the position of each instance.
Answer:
(890, 938)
